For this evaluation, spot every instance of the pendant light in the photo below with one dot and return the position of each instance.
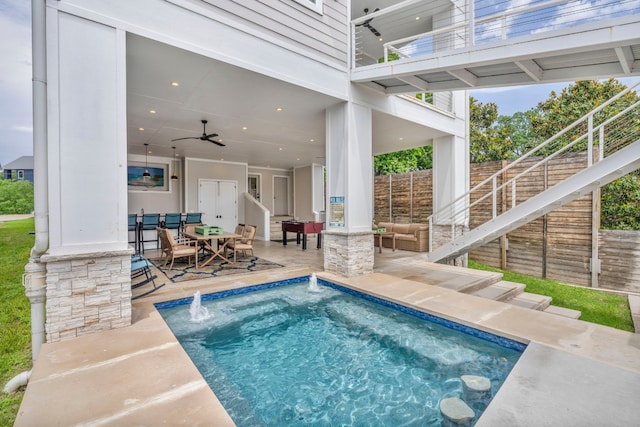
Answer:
(146, 173)
(174, 175)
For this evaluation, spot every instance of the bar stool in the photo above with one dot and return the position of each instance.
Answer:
(192, 218)
(172, 221)
(149, 223)
(133, 226)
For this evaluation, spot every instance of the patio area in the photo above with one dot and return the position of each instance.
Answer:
(572, 372)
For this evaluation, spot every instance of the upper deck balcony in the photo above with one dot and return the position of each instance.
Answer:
(440, 45)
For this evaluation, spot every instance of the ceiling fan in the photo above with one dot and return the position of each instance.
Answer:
(204, 136)
(367, 23)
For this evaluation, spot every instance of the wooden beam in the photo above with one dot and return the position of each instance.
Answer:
(625, 56)
(416, 82)
(532, 69)
(464, 76)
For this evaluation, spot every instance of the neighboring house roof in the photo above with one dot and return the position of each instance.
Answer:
(24, 162)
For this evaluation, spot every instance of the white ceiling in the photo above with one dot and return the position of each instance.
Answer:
(231, 98)
(228, 97)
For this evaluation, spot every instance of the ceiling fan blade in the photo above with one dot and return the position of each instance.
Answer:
(374, 31)
(211, 135)
(180, 139)
(216, 142)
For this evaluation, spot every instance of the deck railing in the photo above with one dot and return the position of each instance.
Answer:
(609, 127)
(448, 25)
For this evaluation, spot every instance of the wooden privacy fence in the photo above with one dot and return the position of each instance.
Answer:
(557, 246)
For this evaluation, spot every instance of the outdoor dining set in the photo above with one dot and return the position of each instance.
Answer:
(193, 240)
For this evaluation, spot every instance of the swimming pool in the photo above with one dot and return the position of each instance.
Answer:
(278, 354)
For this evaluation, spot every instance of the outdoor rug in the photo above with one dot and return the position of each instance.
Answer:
(182, 271)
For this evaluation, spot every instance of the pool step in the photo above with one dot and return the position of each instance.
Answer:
(532, 301)
(501, 291)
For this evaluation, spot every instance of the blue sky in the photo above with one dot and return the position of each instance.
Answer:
(15, 80)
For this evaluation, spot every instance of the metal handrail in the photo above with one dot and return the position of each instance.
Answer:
(463, 200)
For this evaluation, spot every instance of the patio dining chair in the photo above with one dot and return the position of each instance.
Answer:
(245, 243)
(174, 249)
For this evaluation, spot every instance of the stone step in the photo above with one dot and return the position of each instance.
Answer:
(501, 291)
(532, 301)
(465, 283)
(564, 312)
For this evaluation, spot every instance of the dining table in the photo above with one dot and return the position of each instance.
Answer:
(222, 241)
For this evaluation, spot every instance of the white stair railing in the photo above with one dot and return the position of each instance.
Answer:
(612, 131)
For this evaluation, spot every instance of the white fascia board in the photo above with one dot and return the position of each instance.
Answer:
(411, 111)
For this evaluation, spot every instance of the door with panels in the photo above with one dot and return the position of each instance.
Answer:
(218, 202)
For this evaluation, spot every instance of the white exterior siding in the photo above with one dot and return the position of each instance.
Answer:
(292, 24)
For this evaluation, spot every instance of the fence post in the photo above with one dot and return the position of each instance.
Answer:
(595, 230)
(390, 199)
(503, 207)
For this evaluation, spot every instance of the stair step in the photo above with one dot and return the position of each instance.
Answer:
(532, 301)
(467, 284)
(501, 291)
(561, 311)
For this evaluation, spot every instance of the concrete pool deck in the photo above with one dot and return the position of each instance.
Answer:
(572, 373)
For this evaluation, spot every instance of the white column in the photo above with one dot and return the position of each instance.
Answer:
(348, 239)
(450, 176)
(88, 266)
(86, 136)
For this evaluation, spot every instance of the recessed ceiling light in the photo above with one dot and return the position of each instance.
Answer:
(280, 149)
(175, 84)
(417, 18)
(298, 158)
(380, 39)
(221, 159)
(312, 140)
(140, 128)
(401, 139)
(279, 109)
(152, 111)
(244, 128)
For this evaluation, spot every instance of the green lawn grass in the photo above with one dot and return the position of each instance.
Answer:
(596, 306)
(15, 317)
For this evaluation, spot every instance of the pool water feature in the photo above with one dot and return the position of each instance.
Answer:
(289, 356)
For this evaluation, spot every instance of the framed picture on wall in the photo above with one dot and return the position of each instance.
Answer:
(158, 181)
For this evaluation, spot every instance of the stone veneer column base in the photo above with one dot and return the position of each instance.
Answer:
(87, 293)
(442, 235)
(348, 254)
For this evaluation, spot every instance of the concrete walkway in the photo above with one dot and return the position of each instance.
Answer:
(4, 218)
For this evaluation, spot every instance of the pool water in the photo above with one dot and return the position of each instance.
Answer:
(287, 356)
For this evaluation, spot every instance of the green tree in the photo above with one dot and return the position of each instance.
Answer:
(573, 102)
(619, 203)
(520, 132)
(413, 159)
(16, 197)
(487, 140)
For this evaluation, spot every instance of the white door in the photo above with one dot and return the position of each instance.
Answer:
(281, 195)
(218, 202)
